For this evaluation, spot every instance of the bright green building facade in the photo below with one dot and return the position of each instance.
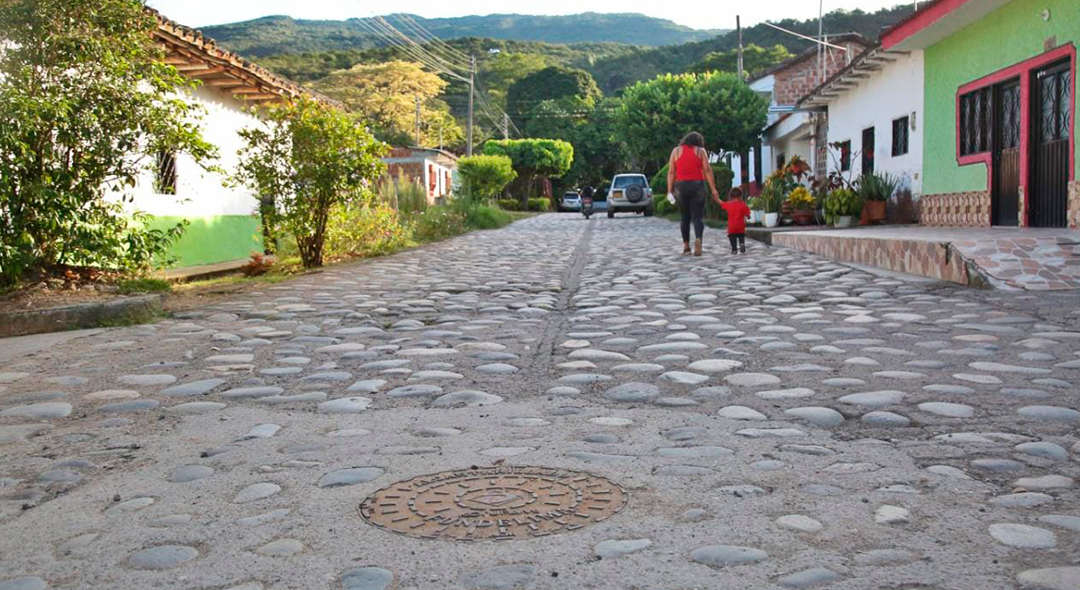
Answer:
(996, 53)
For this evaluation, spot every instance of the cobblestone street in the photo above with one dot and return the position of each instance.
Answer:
(762, 421)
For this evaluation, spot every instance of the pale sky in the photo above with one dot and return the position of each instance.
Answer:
(712, 15)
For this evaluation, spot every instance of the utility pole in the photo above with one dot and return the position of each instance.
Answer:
(506, 126)
(738, 27)
(472, 91)
(418, 122)
(823, 52)
(440, 135)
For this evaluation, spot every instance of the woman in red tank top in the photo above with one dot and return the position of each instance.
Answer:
(688, 172)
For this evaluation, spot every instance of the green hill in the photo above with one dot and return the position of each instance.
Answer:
(281, 34)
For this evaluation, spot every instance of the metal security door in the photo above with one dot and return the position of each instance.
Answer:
(1051, 130)
(1005, 196)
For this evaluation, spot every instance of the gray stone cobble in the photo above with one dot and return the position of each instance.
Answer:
(778, 419)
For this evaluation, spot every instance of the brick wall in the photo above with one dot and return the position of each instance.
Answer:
(969, 209)
(798, 79)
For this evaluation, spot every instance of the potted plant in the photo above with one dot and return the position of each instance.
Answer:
(769, 199)
(841, 205)
(757, 210)
(802, 203)
(876, 190)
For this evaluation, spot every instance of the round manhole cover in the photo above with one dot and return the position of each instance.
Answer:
(494, 503)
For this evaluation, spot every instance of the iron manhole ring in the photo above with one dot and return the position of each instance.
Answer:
(501, 503)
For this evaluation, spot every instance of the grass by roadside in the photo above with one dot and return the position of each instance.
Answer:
(436, 224)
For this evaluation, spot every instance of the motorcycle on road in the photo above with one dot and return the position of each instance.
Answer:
(587, 202)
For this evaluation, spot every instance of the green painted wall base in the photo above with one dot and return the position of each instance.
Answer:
(218, 238)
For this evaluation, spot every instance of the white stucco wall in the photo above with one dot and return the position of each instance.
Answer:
(892, 92)
(200, 193)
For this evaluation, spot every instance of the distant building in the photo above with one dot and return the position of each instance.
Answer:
(874, 110)
(431, 168)
(791, 133)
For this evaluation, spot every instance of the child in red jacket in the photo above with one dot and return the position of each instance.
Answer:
(737, 214)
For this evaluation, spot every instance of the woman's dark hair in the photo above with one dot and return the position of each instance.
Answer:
(693, 139)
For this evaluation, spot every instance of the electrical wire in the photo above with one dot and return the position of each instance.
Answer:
(447, 62)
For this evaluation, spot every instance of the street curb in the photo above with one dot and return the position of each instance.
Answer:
(83, 315)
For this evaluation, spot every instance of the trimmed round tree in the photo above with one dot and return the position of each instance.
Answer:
(533, 159)
(655, 115)
(486, 176)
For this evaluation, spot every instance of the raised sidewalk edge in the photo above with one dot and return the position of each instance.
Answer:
(83, 315)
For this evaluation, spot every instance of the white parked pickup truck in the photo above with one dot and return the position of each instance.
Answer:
(629, 192)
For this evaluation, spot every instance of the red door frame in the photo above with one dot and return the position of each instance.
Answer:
(1024, 71)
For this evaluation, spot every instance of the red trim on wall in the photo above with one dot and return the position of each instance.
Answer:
(1023, 71)
(918, 21)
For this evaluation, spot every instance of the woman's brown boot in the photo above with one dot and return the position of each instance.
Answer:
(686, 247)
(697, 247)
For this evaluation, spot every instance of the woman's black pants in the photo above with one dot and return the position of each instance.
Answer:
(691, 195)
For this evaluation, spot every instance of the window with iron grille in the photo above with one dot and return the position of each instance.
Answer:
(975, 114)
(845, 156)
(780, 161)
(900, 136)
(165, 173)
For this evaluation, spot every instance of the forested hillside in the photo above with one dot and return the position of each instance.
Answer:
(281, 34)
(616, 72)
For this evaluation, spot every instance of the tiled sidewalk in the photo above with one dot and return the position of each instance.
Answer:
(1023, 258)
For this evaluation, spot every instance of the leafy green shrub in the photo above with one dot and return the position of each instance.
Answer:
(438, 223)
(661, 206)
(486, 176)
(485, 217)
(311, 157)
(356, 229)
(541, 204)
(85, 93)
(509, 204)
(402, 193)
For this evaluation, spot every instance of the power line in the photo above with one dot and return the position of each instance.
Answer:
(450, 54)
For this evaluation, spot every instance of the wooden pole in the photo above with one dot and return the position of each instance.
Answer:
(738, 27)
(472, 91)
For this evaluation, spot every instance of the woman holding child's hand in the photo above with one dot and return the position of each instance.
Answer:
(688, 172)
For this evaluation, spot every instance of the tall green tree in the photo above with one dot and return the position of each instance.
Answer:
(86, 101)
(312, 157)
(385, 96)
(590, 129)
(654, 115)
(554, 83)
(500, 73)
(533, 159)
(755, 60)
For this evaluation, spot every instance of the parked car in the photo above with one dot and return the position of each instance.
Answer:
(571, 201)
(630, 192)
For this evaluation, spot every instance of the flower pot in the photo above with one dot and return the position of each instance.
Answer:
(772, 219)
(843, 221)
(757, 215)
(873, 212)
(803, 217)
